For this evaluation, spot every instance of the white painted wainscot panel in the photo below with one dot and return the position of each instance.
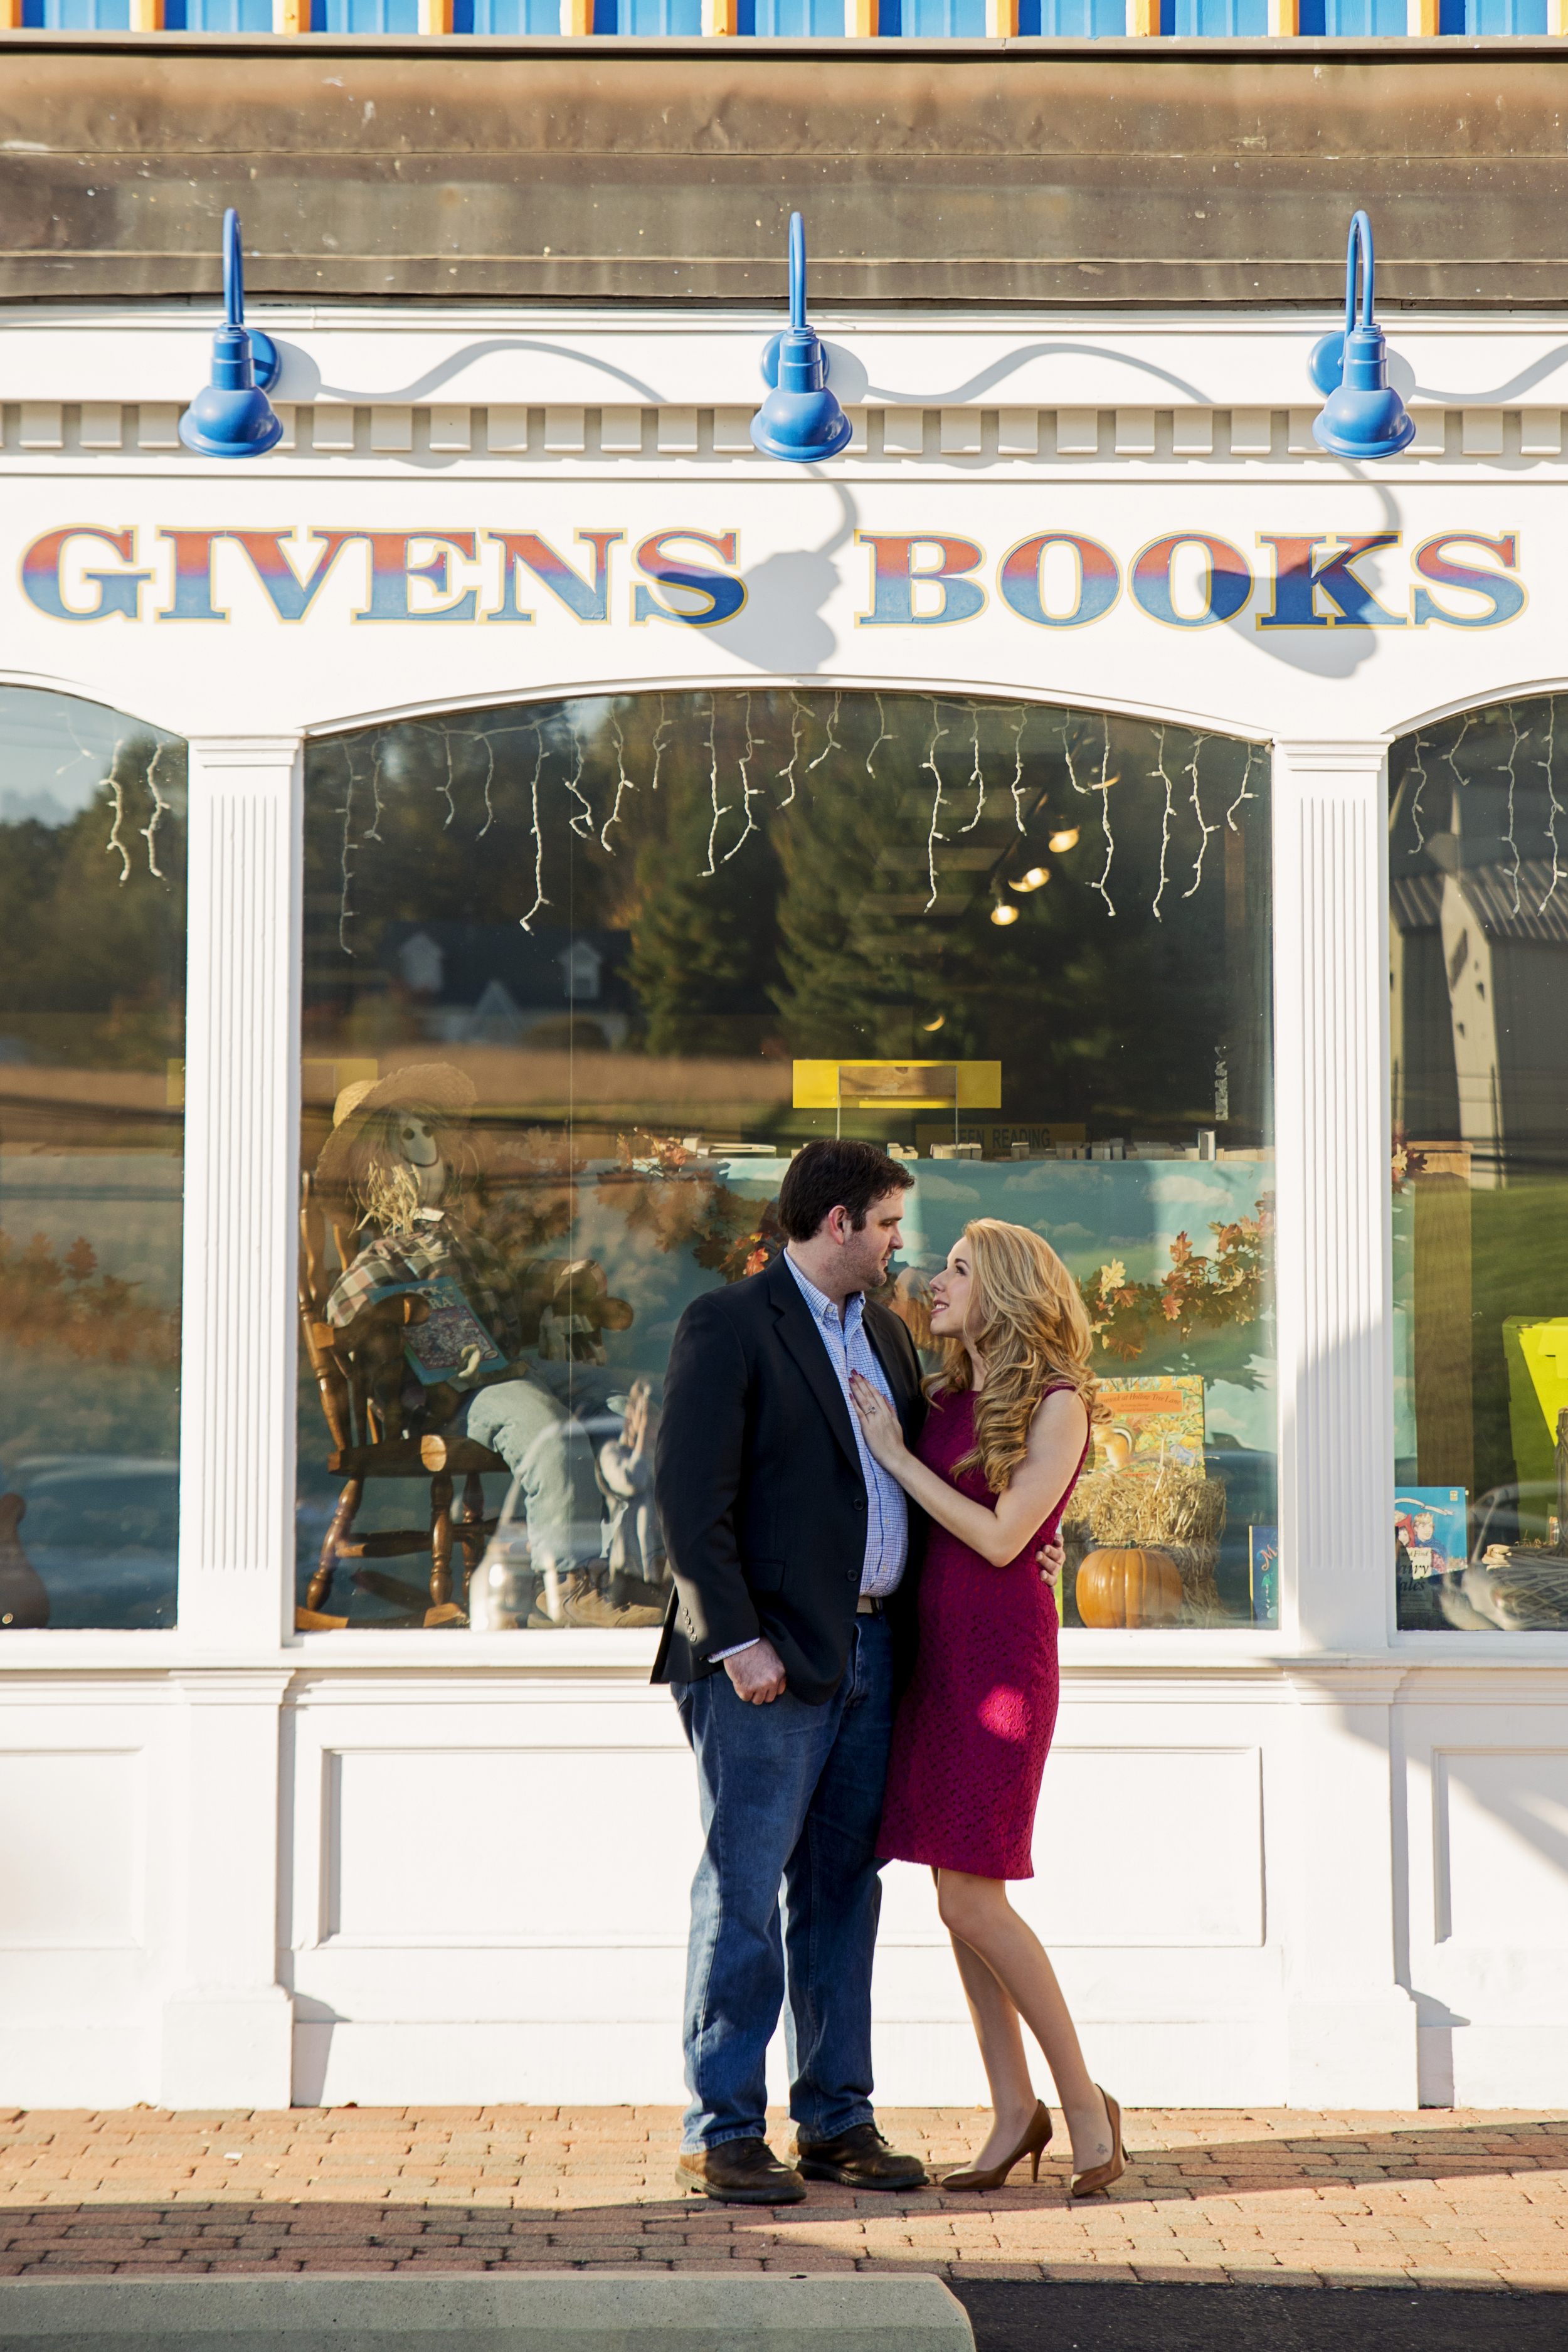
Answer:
(1488, 1890)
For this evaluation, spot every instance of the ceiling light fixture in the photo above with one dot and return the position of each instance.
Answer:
(1064, 841)
(1035, 880)
(1002, 916)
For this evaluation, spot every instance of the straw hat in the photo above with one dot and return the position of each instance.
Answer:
(432, 1086)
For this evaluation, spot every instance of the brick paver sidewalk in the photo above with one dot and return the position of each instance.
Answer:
(1286, 2197)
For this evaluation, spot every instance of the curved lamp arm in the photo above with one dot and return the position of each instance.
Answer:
(233, 271)
(1359, 245)
(796, 272)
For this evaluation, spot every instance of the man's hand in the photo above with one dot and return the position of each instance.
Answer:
(757, 1673)
(1052, 1557)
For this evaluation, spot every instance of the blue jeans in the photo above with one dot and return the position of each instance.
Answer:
(551, 1454)
(790, 1793)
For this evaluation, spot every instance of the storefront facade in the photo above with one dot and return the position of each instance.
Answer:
(1195, 793)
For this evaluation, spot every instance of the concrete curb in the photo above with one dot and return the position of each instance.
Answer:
(658, 2312)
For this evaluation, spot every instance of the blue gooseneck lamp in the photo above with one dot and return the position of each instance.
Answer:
(800, 419)
(232, 417)
(1362, 416)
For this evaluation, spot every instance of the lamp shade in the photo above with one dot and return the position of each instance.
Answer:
(231, 416)
(1362, 416)
(800, 419)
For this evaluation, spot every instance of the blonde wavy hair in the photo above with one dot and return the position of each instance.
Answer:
(1027, 1320)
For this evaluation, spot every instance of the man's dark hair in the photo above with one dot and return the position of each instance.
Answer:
(841, 1173)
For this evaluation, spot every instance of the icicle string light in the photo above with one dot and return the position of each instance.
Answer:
(883, 736)
(1418, 769)
(347, 854)
(624, 783)
(1452, 754)
(115, 846)
(1208, 831)
(660, 732)
(160, 811)
(1243, 795)
(377, 747)
(1510, 837)
(1017, 785)
(799, 714)
(937, 732)
(558, 734)
(833, 743)
(976, 773)
(1166, 813)
(1103, 789)
(719, 813)
(748, 790)
(489, 781)
(1553, 806)
(582, 824)
(526, 921)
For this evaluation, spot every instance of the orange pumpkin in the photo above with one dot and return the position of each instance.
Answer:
(1128, 1587)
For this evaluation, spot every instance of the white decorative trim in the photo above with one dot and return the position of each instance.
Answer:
(1078, 432)
(626, 435)
(43, 426)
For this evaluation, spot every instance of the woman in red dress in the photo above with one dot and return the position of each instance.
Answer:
(1005, 1441)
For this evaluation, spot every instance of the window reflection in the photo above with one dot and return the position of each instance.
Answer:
(92, 962)
(1479, 955)
(580, 976)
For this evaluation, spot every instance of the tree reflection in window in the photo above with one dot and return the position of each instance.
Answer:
(92, 967)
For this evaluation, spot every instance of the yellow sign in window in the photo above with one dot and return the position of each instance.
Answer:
(898, 1086)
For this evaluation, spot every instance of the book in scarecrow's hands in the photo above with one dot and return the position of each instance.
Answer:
(452, 1343)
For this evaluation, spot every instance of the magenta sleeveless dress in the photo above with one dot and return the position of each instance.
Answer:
(974, 1728)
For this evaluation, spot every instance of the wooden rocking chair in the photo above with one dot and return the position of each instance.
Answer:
(359, 1388)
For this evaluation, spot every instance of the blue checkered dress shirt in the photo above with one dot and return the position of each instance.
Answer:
(887, 1511)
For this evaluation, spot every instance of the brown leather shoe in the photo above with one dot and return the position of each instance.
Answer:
(859, 2158)
(739, 2172)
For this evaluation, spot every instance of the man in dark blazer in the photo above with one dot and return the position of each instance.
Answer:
(792, 1615)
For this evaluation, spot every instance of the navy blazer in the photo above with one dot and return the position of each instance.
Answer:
(758, 1483)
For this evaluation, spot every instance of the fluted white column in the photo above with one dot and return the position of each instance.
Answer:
(1338, 1858)
(228, 2029)
(1331, 947)
(237, 1423)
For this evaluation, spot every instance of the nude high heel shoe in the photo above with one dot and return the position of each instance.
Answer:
(1033, 2144)
(1100, 2175)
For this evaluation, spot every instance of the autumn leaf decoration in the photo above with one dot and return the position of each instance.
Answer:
(53, 1301)
(1198, 1293)
(677, 1206)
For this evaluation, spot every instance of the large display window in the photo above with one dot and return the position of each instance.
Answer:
(92, 989)
(1478, 973)
(578, 978)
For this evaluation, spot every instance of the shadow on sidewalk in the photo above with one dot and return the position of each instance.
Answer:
(561, 2213)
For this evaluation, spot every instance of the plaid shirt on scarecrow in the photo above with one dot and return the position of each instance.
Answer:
(438, 1248)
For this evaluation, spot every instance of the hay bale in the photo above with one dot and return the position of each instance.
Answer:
(1175, 1510)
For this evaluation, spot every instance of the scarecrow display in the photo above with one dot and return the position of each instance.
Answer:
(441, 1324)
